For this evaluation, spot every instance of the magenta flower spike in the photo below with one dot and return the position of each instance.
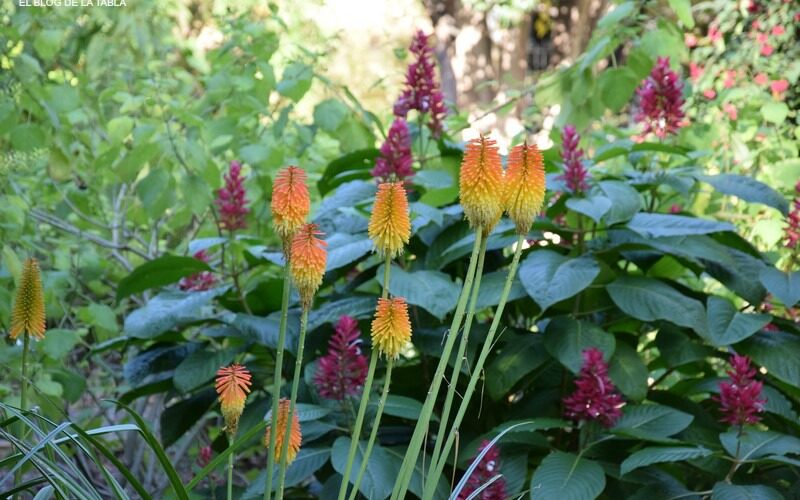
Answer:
(739, 398)
(421, 91)
(661, 101)
(395, 159)
(232, 200)
(487, 468)
(343, 370)
(595, 396)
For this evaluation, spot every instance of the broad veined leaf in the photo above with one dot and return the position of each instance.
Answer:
(296, 81)
(549, 277)
(357, 306)
(648, 299)
(655, 225)
(594, 207)
(159, 272)
(168, 310)
(726, 491)
(567, 477)
(748, 189)
(628, 372)
(661, 454)
(754, 444)
(352, 166)
(518, 357)
(651, 421)
(380, 474)
(625, 201)
(492, 287)
(307, 462)
(199, 367)
(778, 352)
(344, 249)
(683, 9)
(399, 406)
(784, 286)
(181, 416)
(726, 325)
(566, 339)
(431, 290)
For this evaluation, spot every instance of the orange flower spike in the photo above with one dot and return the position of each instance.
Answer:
(308, 262)
(290, 202)
(391, 328)
(524, 185)
(481, 184)
(295, 434)
(233, 384)
(389, 224)
(28, 315)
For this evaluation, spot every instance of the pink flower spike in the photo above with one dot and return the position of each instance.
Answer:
(575, 173)
(422, 91)
(661, 101)
(232, 200)
(595, 396)
(200, 281)
(485, 471)
(395, 159)
(343, 370)
(739, 397)
(761, 79)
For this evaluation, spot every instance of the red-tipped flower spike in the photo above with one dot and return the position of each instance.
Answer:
(389, 225)
(793, 222)
(295, 434)
(290, 202)
(739, 398)
(309, 258)
(28, 314)
(661, 101)
(395, 159)
(481, 184)
(199, 281)
(342, 372)
(233, 384)
(574, 172)
(595, 396)
(391, 328)
(232, 200)
(487, 469)
(421, 91)
(524, 186)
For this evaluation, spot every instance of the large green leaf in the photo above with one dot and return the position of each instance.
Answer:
(594, 206)
(661, 454)
(159, 272)
(181, 416)
(492, 287)
(651, 421)
(549, 277)
(617, 86)
(725, 491)
(167, 311)
(396, 456)
(380, 473)
(683, 9)
(748, 189)
(357, 306)
(726, 325)
(199, 367)
(784, 286)
(399, 406)
(754, 444)
(352, 166)
(625, 201)
(655, 225)
(307, 462)
(431, 290)
(778, 352)
(567, 477)
(566, 339)
(650, 300)
(265, 331)
(344, 249)
(628, 372)
(518, 357)
(677, 348)
(296, 81)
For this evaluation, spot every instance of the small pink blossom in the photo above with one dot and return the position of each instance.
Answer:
(710, 93)
(730, 78)
(731, 111)
(762, 38)
(690, 40)
(675, 208)
(595, 396)
(766, 50)
(778, 87)
(714, 34)
(756, 25)
(739, 397)
(761, 79)
(695, 71)
(792, 230)
(201, 281)
(778, 30)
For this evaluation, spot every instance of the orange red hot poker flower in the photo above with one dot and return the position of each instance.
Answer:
(389, 224)
(28, 315)
(233, 384)
(481, 183)
(290, 202)
(524, 184)
(295, 434)
(391, 328)
(308, 261)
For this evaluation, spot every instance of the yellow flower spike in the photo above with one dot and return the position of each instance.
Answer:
(391, 328)
(290, 202)
(389, 224)
(295, 434)
(28, 315)
(308, 261)
(233, 384)
(481, 184)
(524, 185)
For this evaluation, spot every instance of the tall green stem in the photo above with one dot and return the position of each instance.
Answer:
(362, 407)
(421, 429)
(230, 475)
(298, 368)
(462, 348)
(374, 432)
(23, 393)
(430, 488)
(276, 388)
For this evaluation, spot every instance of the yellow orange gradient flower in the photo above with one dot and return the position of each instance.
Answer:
(28, 314)
(481, 184)
(295, 435)
(524, 185)
(233, 384)
(389, 224)
(391, 328)
(308, 260)
(290, 202)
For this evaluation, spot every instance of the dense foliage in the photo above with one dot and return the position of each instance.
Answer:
(649, 347)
